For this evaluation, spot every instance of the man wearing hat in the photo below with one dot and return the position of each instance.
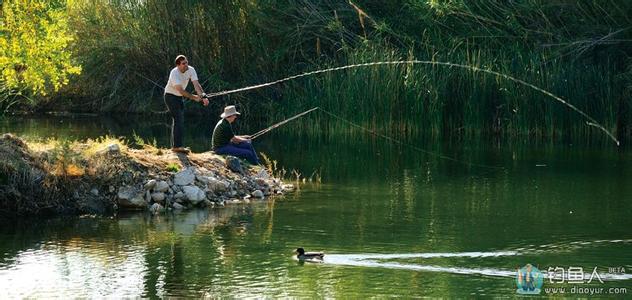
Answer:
(225, 141)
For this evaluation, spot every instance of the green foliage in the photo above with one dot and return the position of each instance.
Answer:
(172, 167)
(578, 50)
(35, 58)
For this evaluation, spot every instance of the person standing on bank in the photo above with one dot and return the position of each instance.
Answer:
(175, 92)
(224, 140)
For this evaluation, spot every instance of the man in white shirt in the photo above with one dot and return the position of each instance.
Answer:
(175, 92)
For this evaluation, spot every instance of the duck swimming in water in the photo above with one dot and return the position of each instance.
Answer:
(309, 256)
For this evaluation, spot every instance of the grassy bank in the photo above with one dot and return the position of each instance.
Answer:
(107, 175)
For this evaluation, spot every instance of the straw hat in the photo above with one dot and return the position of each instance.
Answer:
(229, 111)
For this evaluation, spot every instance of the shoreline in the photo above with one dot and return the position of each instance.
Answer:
(105, 176)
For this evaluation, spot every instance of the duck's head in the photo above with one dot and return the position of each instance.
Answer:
(300, 251)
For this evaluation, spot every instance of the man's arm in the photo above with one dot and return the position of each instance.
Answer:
(200, 91)
(240, 138)
(186, 94)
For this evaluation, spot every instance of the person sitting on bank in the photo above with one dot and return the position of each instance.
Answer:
(175, 92)
(225, 142)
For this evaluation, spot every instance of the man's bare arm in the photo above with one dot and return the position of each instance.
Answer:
(186, 94)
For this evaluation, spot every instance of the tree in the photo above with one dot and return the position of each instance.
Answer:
(34, 50)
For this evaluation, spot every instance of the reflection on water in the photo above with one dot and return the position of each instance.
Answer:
(392, 222)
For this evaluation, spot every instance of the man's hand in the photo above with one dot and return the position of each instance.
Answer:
(205, 101)
(195, 98)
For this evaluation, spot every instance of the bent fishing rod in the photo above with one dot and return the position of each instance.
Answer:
(590, 121)
(266, 130)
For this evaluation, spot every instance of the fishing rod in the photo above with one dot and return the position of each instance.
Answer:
(373, 132)
(590, 121)
(266, 130)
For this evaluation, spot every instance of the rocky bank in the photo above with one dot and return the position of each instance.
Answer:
(104, 177)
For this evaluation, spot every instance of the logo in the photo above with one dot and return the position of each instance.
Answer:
(529, 280)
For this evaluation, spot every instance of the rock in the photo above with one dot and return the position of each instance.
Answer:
(150, 184)
(261, 182)
(233, 164)
(207, 203)
(201, 178)
(217, 185)
(194, 194)
(258, 194)
(161, 186)
(179, 195)
(94, 191)
(178, 206)
(262, 174)
(126, 192)
(156, 208)
(246, 200)
(184, 177)
(111, 189)
(287, 187)
(129, 198)
(110, 149)
(147, 196)
(158, 197)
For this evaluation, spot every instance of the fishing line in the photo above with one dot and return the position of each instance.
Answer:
(590, 122)
(373, 132)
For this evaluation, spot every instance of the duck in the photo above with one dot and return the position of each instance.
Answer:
(309, 256)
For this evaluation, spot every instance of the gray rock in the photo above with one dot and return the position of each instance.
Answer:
(201, 178)
(114, 148)
(184, 177)
(156, 208)
(261, 182)
(110, 149)
(94, 191)
(150, 184)
(161, 186)
(126, 192)
(207, 203)
(258, 194)
(194, 194)
(111, 189)
(218, 185)
(178, 206)
(158, 197)
(147, 196)
(234, 164)
(179, 195)
(130, 198)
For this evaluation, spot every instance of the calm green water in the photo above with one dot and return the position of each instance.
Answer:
(392, 221)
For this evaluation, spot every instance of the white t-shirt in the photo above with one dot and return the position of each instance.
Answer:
(178, 78)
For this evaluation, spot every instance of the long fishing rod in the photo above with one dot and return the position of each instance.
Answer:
(266, 130)
(590, 122)
(373, 132)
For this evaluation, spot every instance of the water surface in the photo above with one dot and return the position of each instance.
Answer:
(393, 222)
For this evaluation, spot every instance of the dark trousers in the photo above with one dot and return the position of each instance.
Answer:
(242, 150)
(175, 104)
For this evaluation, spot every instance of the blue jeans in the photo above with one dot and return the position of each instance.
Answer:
(241, 150)
(175, 104)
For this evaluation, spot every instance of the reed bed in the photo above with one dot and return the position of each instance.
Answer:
(578, 50)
